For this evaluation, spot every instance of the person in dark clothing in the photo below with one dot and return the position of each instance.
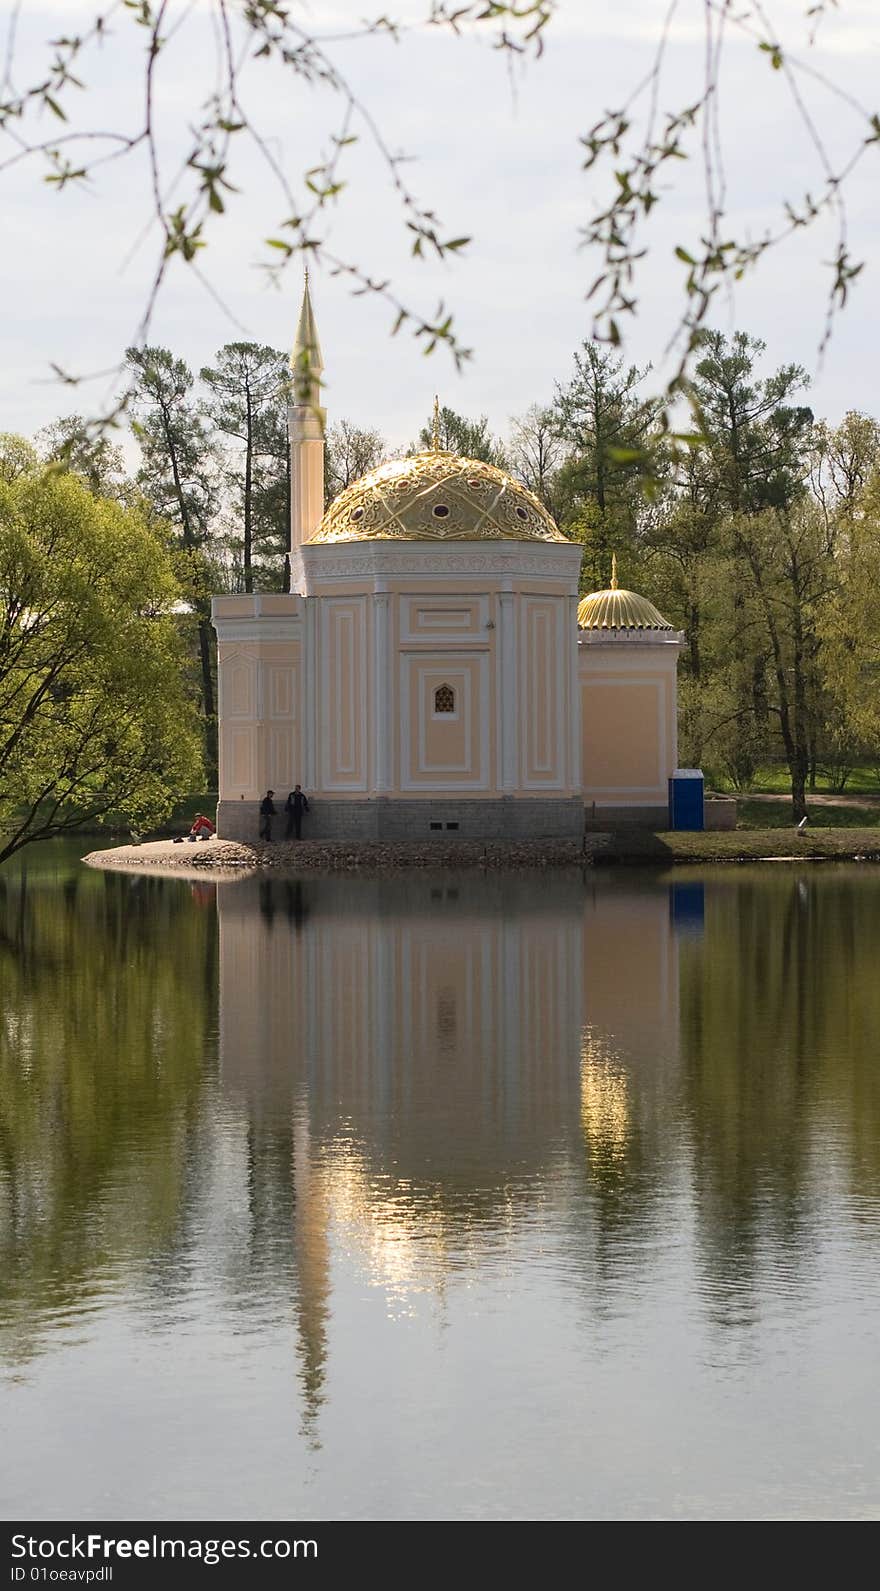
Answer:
(295, 805)
(267, 813)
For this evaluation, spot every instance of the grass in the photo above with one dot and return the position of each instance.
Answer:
(775, 779)
(777, 816)
(740, 845)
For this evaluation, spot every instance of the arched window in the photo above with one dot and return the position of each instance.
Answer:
(444, 699)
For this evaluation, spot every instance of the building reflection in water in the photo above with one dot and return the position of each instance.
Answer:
(611, 1167)
(440, 1051)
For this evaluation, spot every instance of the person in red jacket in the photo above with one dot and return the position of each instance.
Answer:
(202, 828)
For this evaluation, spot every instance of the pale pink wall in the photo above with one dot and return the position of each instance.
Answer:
(345, 705)
(628, 722)
(440, 750)
(444, 637)
(544, 697)
(260, 717)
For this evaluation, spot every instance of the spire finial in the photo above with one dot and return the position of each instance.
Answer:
(614, 571)
(435, 438)
(307, 361)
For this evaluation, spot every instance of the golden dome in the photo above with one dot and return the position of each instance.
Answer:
(619, 610)
(436, 496)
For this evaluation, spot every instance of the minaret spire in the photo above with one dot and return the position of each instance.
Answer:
(307, 361)
(306, 421)
(614, 571)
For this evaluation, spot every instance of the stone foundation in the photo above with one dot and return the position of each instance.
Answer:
(414, 820)
(603, 818)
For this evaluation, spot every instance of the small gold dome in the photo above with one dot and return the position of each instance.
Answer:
(436, 496)
(619, 610)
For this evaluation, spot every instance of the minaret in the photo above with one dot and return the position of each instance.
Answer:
(306, 420)
(311, 1247)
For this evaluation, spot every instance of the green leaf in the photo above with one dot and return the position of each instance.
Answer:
(775, 53)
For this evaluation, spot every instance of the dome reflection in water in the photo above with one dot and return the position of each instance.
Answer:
(440, 1196)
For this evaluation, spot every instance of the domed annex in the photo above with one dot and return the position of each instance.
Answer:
(436, 496)
(614, 609)
(428, 672)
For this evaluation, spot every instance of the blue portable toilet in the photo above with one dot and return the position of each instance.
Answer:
(686, 799)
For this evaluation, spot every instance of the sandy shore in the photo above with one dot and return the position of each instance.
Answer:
(168, 854)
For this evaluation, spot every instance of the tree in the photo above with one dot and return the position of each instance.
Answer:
(17, 457)
(472, 439)
(536, 454)
(848, 627)
(248, 386)
(349, 453)
(72, 444)
(94, 717)
(179, 478)
(783, 554)
(605, 426)
(754, 459)
(758, 438)
(114, 983)
(842, 462)
(271, 498)
(683, 543)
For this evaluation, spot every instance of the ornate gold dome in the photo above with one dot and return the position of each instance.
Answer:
(619, 610)
(436, 496)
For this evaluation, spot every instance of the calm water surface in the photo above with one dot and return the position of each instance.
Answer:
(439, 1197)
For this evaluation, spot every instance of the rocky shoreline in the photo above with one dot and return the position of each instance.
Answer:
(634, 847)
(338, 856)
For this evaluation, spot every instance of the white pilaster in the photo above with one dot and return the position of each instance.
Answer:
(508, 683)
(673, 686)
(311, 687)
(574, 701)
(382, 687)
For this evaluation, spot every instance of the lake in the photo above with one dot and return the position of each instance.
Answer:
(439, 1195)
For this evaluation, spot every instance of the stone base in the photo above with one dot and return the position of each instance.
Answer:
(382, 819)
(719, 813)
(599, 817)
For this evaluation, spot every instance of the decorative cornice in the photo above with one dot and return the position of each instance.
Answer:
(630, 638)
(259, 604)
(545, 560)
(258, 629)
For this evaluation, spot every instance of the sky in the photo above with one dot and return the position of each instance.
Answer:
(495, 153)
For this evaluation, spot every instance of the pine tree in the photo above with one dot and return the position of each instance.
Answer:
(178, 476)
(248, 403)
